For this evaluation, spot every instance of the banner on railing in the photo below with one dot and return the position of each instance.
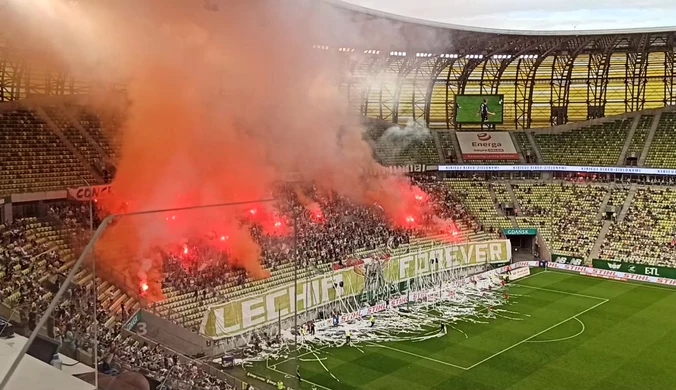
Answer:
(611, 274)
(88, 193)
(566, 259)
(244, 314)
(518, 273)
(633, 268)
(558, 168)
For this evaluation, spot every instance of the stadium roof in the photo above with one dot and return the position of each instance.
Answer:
(389, 32)
(544, 16)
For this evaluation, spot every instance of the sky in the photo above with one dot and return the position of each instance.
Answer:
(535, 14)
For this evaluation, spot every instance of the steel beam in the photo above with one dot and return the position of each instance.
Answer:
(669, 74)
(636, 70)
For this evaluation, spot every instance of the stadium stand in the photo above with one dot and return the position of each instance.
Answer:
(186, 294)
(500, 191)
(521, 139)
(566, 214)
(34, 253)
(662, 152)
(83, 146)
(477, 199)
(92, 124)
(411, 151)
(33, 159)
(447, 148)
(640, 135)
(599, 144)
(648, 232)
(347, 230)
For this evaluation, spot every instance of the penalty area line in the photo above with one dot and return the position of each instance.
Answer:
(418, 356)
(537, 334)
(287, 375)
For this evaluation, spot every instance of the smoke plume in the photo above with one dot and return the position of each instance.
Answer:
(221, 102)
(396, 139)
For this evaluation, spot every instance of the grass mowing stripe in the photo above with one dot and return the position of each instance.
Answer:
(537, 334)
(561, 292)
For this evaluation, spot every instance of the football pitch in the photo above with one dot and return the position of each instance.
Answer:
(558, 331)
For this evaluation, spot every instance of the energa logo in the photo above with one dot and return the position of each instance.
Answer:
(614, 266)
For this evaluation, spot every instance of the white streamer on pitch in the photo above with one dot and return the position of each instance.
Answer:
(415, 322)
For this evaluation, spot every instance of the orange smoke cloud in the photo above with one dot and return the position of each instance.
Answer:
(220, 105)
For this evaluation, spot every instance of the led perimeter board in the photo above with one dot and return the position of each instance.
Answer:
(468, 109)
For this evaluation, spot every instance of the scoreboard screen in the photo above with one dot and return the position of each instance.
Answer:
(469, 109)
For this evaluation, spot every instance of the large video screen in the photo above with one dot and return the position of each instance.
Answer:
(469, 109)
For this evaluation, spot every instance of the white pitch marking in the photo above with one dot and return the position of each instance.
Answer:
(287, 375)
(562, 338)
(418, 356)
(537, 334)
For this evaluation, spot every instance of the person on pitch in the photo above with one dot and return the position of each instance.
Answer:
(442, 328)
(484, 112)
(347, 337)
(298, 376)
(373, 321)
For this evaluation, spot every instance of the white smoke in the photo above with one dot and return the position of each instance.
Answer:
(397, 139)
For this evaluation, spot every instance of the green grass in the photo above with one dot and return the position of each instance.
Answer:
(574, 332)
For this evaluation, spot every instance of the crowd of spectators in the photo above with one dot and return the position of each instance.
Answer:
(342, 228)
(648, 232)
(447, 204)
(331, 228)
(26, 261)
(158, 363)
(31, 270)
(566, 214)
